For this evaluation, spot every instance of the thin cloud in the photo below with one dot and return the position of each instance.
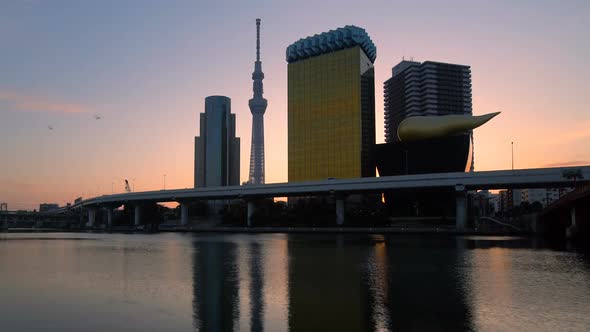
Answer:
(573, 135)
(41, 104)
(10, 185)
(570, 163)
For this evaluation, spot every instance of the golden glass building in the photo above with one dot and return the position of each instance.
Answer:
(331, 107)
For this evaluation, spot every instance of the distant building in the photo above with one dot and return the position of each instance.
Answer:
(516, 197)
(482, 203)
(217, 149)
(540, 195)
(506, 200)
(495, 201)
(331, 105)
(543, 195)
(47, 207)
(512, 198)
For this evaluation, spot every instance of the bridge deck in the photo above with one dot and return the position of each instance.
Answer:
(526, 178)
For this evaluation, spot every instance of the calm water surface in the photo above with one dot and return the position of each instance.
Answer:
(278, 282)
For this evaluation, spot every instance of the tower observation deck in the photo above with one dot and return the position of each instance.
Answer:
(257, 106)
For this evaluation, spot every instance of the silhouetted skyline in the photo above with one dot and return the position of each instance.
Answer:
(121, 85)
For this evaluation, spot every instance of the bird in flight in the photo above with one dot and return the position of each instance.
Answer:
(50, 127)
(97, 117)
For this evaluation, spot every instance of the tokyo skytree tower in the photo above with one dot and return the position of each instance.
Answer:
(257, 107)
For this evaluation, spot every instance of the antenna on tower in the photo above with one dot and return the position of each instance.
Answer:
(257, 39)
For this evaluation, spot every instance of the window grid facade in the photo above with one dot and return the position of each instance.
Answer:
(331, 116)
(426, 89)
(217, 149)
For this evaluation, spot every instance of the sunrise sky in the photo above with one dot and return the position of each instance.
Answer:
(145, 68)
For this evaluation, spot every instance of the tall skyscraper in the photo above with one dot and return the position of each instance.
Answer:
(331, 107)
(426, 89)
(257, 107)
(217, 150)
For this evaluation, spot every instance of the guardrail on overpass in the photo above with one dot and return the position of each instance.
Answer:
(527, 178)
(522, 178)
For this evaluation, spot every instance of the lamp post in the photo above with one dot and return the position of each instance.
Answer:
(512, 148)
(133, 185)
(112, 188)
(164, 181)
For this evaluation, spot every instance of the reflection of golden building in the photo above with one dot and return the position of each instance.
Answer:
(331, 105)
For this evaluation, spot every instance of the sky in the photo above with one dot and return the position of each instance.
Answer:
(145, 67)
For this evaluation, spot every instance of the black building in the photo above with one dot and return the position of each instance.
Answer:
(436, 155)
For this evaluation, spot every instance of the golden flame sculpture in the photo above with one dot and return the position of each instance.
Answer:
(425, 127)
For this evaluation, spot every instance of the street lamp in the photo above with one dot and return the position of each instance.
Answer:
(512, 148)
(133, 185)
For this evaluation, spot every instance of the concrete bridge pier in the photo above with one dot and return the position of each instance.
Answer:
(184, 214)
(137, 215)
(251, 211)
(91, 217)
(109, 217)
(340, 210)
(570, 232)
(460, 208)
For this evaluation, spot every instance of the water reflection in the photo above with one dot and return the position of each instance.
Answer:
(215, 285)
(515, 288)
(367, 283)
(299, 282)
(327, 288)
(239, 283)
(378, 278)
(423, 287)
(256, 287)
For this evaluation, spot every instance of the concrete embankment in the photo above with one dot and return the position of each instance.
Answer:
(254, 230)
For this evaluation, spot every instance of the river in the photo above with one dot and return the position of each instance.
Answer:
(297, 282)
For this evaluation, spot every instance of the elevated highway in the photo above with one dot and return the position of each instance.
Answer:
(523, 178)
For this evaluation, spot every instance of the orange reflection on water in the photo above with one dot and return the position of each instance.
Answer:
(491, 287)
(379, 285)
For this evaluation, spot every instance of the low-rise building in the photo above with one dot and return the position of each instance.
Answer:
(46, 207)
(545, 196)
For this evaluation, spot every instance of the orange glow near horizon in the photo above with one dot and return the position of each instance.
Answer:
(149, 94)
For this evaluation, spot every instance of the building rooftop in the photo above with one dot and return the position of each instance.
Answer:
(333, 40)
(405, 64)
